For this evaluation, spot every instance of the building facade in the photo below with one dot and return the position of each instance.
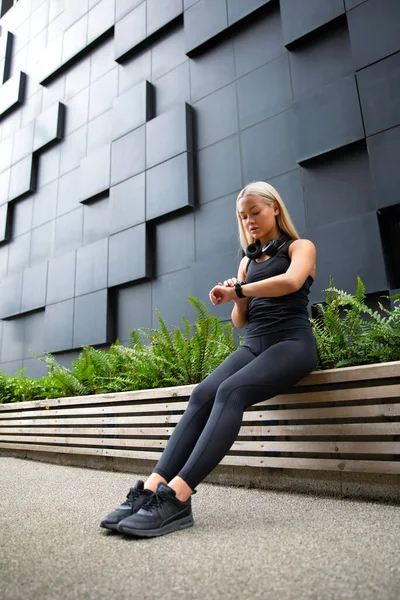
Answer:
(127, 128)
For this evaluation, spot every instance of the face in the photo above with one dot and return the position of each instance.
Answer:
(258, 218)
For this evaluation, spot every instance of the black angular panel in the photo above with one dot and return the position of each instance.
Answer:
(160, 13)
(330, 119)
(4, 224)
(290, 189)
(384, 160)
(101, 19)
(379, 87)
(59, 320)
(23, 178)
(346, 249)
(122, 7)
(271, 92)
(129, 32)
(128, 155)
(92, 320)
(169, 135)
(13, 341)
(203, 21)
(169, 186)
(258, 43)
(10, 295)
(219, 169)
(34, 283)
(212, 70)
(4, 186)
(129, 256)
(216, 228)
(61, 278)
(268, 148)
(23, 142)
(49, 127)
(389, 224)
(340, 188)
(298, 19)
(12, 93)
(216, 116)
(132, 109)
(91, 268)
(174, 244)
(127, 203)
(95, 172)
(133, 309)
(169, 295)
(374, 29)
(6, 45)
(321, 60)
(75, 39)
(237, 9)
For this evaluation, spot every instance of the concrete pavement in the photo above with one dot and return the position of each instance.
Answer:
(246, 544)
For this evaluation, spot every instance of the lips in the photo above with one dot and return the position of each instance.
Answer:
(252, 229)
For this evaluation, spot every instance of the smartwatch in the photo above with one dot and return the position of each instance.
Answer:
(238, 289)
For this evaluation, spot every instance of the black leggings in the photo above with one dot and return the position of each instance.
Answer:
(261, 368)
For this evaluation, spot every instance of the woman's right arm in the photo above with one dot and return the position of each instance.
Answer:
(240, 305)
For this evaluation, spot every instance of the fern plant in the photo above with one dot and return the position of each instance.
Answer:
(347, 332)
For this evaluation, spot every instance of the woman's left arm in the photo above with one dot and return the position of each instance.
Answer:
(303, 256)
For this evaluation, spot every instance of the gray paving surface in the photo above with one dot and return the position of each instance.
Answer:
(245, 544)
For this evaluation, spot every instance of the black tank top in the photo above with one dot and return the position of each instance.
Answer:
(269, 315)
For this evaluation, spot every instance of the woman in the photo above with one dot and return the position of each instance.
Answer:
(270, 298)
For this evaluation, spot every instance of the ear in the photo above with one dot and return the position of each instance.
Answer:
(276, 209)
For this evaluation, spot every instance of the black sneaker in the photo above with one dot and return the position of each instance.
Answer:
(137, 495)
(162, 513)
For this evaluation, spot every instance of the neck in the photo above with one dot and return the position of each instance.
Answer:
(275, 234)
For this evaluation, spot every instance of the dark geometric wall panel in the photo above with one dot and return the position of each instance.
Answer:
(132, 109)
(338, 189)
(384, 157)
(91, 268)
(129, 256)
(203, 21)
(237, 9)
(374, 28)
(300, 18)
(328, 120)
(10, 295)
(169, 135)
(59, 319)
(204, 97)
(49, 127)
(23, 178)
(91, 319)
(61, 278)
(95, 174)
(169, 186)
(379, 86)
(12, 93)
(128, 155)
(34, 284)
(128, 203)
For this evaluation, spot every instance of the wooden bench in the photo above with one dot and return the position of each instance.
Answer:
(337, 420)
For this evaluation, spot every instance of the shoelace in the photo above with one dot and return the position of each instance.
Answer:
(131, 497)
(154, 501)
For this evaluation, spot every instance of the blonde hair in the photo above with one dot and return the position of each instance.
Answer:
(268, 194)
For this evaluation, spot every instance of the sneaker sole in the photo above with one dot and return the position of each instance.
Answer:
(112, 526)
(174, 526)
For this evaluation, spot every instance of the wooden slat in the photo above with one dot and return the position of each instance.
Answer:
(370, 393)
(355, 429)
(337, 447)
(358, 373)
(336, 412)
(328, 464)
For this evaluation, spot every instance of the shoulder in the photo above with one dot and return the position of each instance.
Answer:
(243, 267)
(301, 245)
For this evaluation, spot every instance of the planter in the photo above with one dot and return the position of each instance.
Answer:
(336, 432)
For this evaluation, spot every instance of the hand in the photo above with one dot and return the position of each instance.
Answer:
(221, 294)
(229, 282)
